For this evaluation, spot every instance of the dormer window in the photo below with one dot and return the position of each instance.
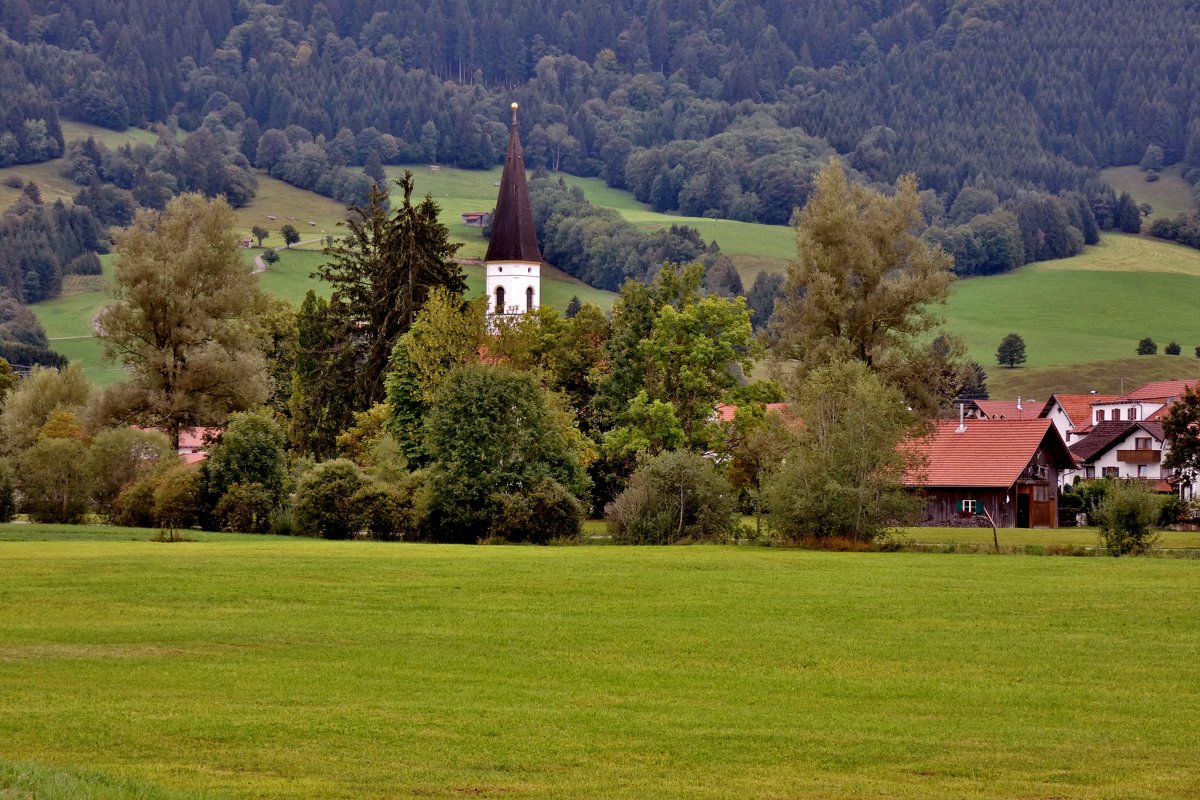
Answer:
(1100, 415)
(1132, 413)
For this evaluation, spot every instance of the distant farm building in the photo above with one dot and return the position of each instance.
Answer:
(477, 219)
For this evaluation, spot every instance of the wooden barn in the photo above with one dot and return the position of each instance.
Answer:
(1008, 467)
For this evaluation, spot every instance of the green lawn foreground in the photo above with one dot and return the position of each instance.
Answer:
(254, 666)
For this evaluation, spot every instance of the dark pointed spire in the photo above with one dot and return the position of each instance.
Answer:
(513, 234)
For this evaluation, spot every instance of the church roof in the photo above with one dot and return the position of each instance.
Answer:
(513, 234)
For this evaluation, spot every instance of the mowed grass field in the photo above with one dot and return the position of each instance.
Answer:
(262, 667)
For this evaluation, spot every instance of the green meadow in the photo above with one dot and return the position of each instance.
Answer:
(249, 666)
(1168, 196)
(1090, 308)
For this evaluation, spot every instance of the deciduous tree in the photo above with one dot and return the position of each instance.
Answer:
(494, 431)
(1011, 352)
(843, 477)
(862, 285)
(182, 320)
(290, 235)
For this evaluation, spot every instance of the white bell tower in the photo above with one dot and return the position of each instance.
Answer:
(513, 264)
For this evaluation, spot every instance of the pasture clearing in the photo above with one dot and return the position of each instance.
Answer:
(1168, 196)
(256, 666)
(1094, 307)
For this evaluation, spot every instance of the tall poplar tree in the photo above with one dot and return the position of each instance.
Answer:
(182, 320)
(862, 286)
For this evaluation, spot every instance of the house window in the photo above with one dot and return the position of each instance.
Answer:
(1100, 415)
(1041, 494)
(1110, 472)
(529, 299)
(1132, 413)
(1089, 472)
(1142, 443)
(499, 299)
(1143, 471)
(967, 507)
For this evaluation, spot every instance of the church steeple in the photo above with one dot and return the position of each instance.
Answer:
(513, 234)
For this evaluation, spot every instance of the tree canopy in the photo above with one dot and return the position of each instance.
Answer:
(182, 320)
(862, 286)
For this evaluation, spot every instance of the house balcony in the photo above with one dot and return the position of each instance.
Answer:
(1139, 456)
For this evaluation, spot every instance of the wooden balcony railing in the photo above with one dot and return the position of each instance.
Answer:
(1139, 456)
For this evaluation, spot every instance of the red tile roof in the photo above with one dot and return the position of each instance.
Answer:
(727, 411)
(989, 453)
(1157, 390)
(1008, 409)
(1077, 406)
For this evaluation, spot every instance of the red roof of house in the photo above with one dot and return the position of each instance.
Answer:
(197, 438)
(989, 453)
(1077, 406)
(1157, 390)
(1007, 409)
(727, 411)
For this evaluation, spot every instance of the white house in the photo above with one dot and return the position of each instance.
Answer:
(1072, 413)
(1147, 402)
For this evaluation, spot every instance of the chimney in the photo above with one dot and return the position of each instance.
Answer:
(962, 426)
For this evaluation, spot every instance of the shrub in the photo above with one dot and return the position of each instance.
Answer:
(1173, 349)
(547, 513)
(177, 498)
(245, 508)
(324, 498)
(1126, 517)
(118, 457)
(383, 511)
(1171, 510)
(14, 181)
(8, 500)
(134, 506)
(674, 497)
(54, 481)
(250, 451)
(1147, 347)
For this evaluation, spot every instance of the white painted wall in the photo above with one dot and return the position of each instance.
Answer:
(516, 277)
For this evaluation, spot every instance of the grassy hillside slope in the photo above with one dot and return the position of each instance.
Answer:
(276, 668)
(1168, 196)
(1094, 307)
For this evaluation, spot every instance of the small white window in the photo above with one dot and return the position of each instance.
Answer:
(969, 506)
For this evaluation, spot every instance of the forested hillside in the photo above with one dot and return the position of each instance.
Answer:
(1033, 92)
(697, 107)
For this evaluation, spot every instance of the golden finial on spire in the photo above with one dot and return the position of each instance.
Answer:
(514, 109)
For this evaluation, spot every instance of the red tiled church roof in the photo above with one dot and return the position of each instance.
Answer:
(988, 453)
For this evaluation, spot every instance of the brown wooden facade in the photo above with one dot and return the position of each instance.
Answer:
(1031, 502)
